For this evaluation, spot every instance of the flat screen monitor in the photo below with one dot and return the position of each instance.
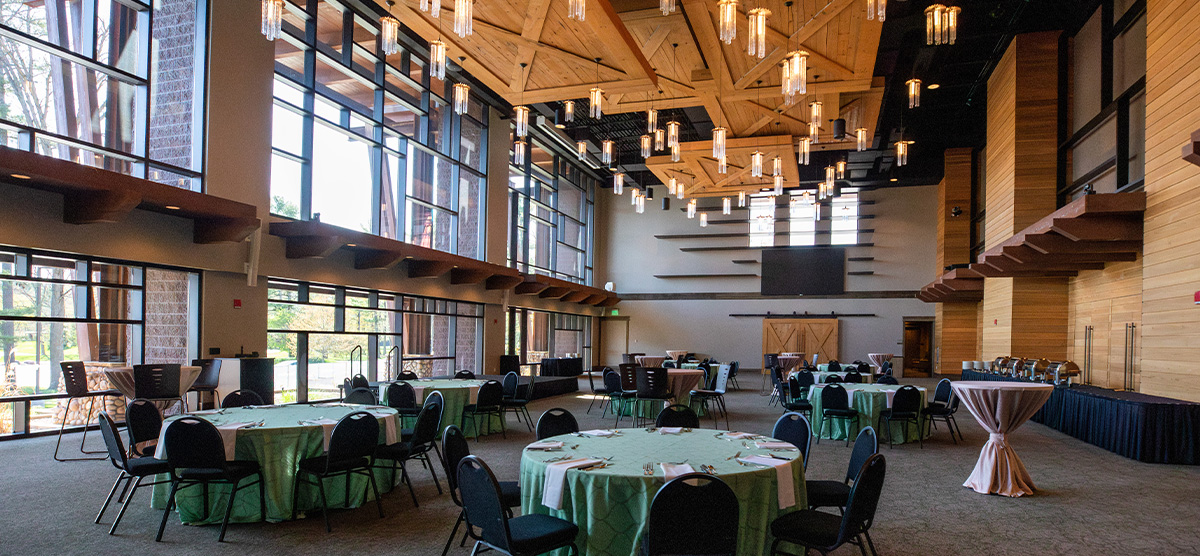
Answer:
(804, 271)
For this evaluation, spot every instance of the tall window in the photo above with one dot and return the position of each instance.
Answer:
(834, 222)
(535, 335)
(56, 308)
(551, 202)
(762, 221)
(115, 85)
(369, 142)
(843, 219)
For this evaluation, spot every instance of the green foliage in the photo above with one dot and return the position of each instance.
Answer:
(283, 207)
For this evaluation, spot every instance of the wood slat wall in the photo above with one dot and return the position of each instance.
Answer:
(1171, 262)
(1106, 300)
(956, 325)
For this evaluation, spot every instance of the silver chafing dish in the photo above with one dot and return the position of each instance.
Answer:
(1061, 372)
(1015, 366)
(1035, 369)
(999, 364)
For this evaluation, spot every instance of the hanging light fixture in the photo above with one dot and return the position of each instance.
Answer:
(672, 133)
(633, 192)
(651, 120)
(272, 19)
(741, 199)
(726, 205)
(841, 169)
(860, 135)
(568, 110)
(619, 183)
(914, 92)
(640, 207)
(596, 96)
(606, 152)
(577, 9)
(941, 24)
(660, 139)
(718, 137)
(675, 153)
(877, 7)
(777, 166)
(816, 211)
(462, 93)
(463, 17)
(437, 59)
(667, 6)
(704, 220)
(722, 165)
(679, 191)
(806, 197)
(727, 13)
(756, 160)
(434, 7)
(814, 132)
(805, 150)
(691, 208)
(646, 142)
(581, 150)
(389, 31)
(758, 32)
(830, 174)
(778, 184)
(902, 152)
(522, 117)
(672, 185)
(815, 109)
(519, 152)
(795, 75)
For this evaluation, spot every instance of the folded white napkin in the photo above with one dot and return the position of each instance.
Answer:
(597, 432)
(783, 478)
(672, 470)
(326, 426)
(556, 476)
(740, 435)
(389, 424)
(546, 445)
(670, 430)
(776, 445)
(229, 437)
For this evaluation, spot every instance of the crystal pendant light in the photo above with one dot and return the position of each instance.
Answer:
(647, 142)
(814, 132)
(691, 208)
(651, 120)
(726, 205)
(606, 152)
(778, 184)
(914, 92)
(718, 138)
(795, 75)
(434, 7)
(742, 199)
(619, 183)
(667, 6)
(841, 169)
(272, 19)
(389, 32)
(728, 20)
(877, 7)
(633, 192)
(672, 133)
(756, 164)
(519, 152)
(522, 117)
(672, 185)
(679, 191)
(722, 165)
(805, 150)
(941, 24)
(463, 17)
(595, 103)
(860, 135)
(675, 153)
(581, 150)
(830, 174)
(437, 59)
(758, 32)
(577, 9)
(902, 152)
(640, 207)
(660, 139)
(569, 110)
(816, 211)
(462, 93)
(704, 220)
(777, 167)
(815, 109)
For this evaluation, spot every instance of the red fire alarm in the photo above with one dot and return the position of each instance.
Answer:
(237, 304)
(1197, 298)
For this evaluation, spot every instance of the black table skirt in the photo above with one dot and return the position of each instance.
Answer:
(561, 366)
(1146, 428)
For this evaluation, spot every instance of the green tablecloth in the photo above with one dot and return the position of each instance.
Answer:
(869, 400)
(278, 447)
(611, 505)
(457, 394)
(682, 381)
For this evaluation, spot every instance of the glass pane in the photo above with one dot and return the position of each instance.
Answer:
(367, 320)
(282, 347)
(344, 88)
(175, 125)
(37, 299)
(430, 178)
(570, 201)
(329, 25)
(399, 117)
(341, 179)
(439, 125)
(282, 291)
(470, 219)
(322, 294)
(392, 200)
(329, 362)
(541, 237)
(472, 142)
(801, 225)
(289, 61)
(285, 186)
(115, 303)
(108, 273)
(1137, 138)
(466, 343)
(762, 222)
(541, 158)
(570, 261)
(429, 227)
(287, 130)
(537, 336)
(286, 91)
(117, 36)
(299, 317)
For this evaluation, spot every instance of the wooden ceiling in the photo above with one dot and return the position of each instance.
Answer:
(697, 169)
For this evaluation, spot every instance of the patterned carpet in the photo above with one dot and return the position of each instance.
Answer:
(1089, 501)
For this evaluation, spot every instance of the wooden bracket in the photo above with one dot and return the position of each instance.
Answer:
(90, 207)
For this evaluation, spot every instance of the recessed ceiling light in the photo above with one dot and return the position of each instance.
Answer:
(21, 176)
(351, 245)
(894, 179)
(932, 86)
(171, 207)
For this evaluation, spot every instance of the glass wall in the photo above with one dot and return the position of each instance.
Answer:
(115, 85)
(369, 142)
(321, 335)
(535, 335)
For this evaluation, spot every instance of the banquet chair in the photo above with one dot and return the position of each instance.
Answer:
(196, 457)
(158, 383)
(132, 470)
(401, 397)
(527, 535)
(241, 398)
(143, 423)
(906, 407)
(797, 400)
(734, 367)
(834, 494)
(887, 379)
(853, 377)
(677, 415)
(351, 452)
(519, 400)
(711, 525)
(464, 375)
(653, 386)
(407, 375)
(716, 394)
(834, 366)
(556, 421)
(361, 396)
(780, 391)
(454, 449)
(825, 532)
(489, 402)
(795, 428)
(601, 392)
(353, 383)
(206, 382)
(943, 407)
(668, 364)
(628, 374)
(75, 379)
(834, 379)
(835, 405)
(418, 444)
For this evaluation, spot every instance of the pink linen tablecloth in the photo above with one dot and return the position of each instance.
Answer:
(684, 381)
(122, 379)
(789, 362)
(676, 353)
(650, 360)
(1000, 408)
(877, 359)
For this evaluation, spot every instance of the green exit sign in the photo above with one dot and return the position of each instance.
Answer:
(615, 312)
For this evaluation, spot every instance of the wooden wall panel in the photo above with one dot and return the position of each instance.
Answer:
(1171, 260)
(956, 325)
(1106, 300)
(996, 316)
(955, 333)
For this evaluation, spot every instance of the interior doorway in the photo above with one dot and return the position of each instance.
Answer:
(918, 348)
(614, 340)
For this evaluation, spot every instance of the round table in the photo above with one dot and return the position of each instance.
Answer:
(789, 362)
(649, 360)
(869, 400)
(676, 353)
(611, 505)
(682, 381)
(1000, 408)
(289, 434)
(456, 394)
(122, 379)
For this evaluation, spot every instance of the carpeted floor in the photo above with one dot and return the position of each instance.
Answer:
(1090, 501)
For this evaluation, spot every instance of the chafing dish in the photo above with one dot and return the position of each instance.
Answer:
(1061, 372)
(999, 364)
(1035, 369)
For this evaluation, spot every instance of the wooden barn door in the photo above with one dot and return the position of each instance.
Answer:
(806, 336)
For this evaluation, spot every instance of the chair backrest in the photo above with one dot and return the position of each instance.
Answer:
(112, 440)
(400, 395)
(693, 513)
(464, 375)
(722, 382)
(833, 396)
(942, 393)
(612, 382)
(907, 400)
(429, 419)
(192, 442)
(886, 368)
(354, 436)
(511, 382)
(555, 422)
(677, 415)
(210, 373)
(770, 359)
(806, 378)
(592, 379)
(795, 390)
(834, 366)
(795, 428)
(887, 379)
(863, 368)
(491, 394)
(74, 378)
(833, 379)
(454, 449)
(156, 381)
(628, 377)
(362, 396)
(864, 498)
(359, 381)
(866, 444)
(510, 363)
(733, 368)
(653, 382)
(144, 421)
(776, 375)
(670, 365)
(481, 500)
(853, 377)
(406, 375)
(241, 398)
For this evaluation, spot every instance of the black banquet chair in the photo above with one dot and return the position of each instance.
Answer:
(241, 398)
(887, 379)
(403, 398)
(677, 415)
(906, 408)
(833, 494)
(943, 408)
(797, 398)
(464, 375)
(196, 457)
(825, 532)
(653, 386)
(422, 440)
(454, 449)
(158, 383)
(360, 396)
(132, 470)
(716, 394)
(516, 399)
(488, 403)
(853, 377)
(75, 379)
(602, 391)
(406, 375)
(795, 428)
(206, 382)
(555, 422)
(143, 423)
(526, 535)
(711, 525)
(835, 405)
(351, 452)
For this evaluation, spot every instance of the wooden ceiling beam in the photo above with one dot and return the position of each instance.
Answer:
(634, 62)
(503, 282)
(567, 92)
(421, 268)
(1097, 229)
(576, 297)
(313, 246)
(554, 292)
(91, 207)
(801, 34)
(1052, 243)
(531, 30)
(460, 275)
(365, 259)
